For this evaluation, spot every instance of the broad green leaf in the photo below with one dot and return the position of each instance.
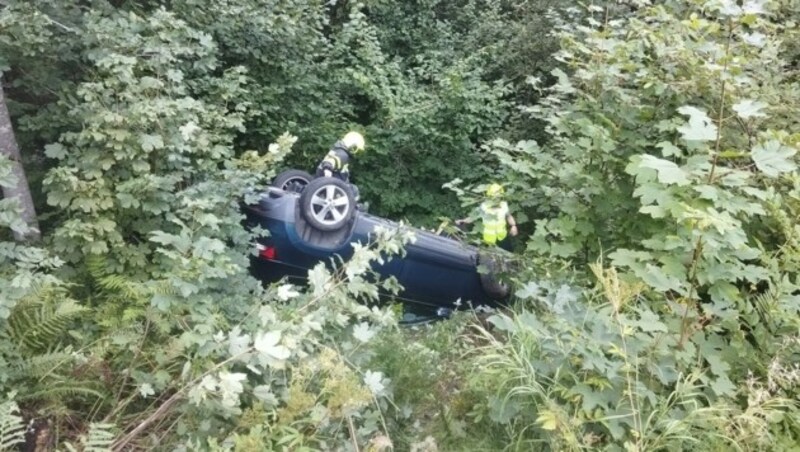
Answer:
(530, 290)
(668, 172)
(724, 292)
(502, 322)
(669, 150)
(319, 279)
(755, 39)
(772, 158)
(269, 349)
(722, 386)
(657, 279)
(230, 386)
(374, 381)
(7, 177)
(238, 343)
(363, 332)
(55, 151)
(650, 322)
(265, 394)
(754, 7)
(286, 292)
(187, 130)
(629, 258)
(699, 128)
(502, 409)
(151, 142)
(749, 109)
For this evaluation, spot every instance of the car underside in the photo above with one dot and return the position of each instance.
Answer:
(437, 273)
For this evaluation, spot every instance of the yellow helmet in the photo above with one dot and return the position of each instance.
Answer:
(495, 191)
(354, 141)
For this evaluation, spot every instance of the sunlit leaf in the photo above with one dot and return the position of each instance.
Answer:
(749, 109)
(363, 332)
(668, 172)
(374, 381)
(267, 345)
(699, 128)
(772, 158)
(151, 142)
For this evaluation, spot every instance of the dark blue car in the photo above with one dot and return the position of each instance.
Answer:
(323, 220)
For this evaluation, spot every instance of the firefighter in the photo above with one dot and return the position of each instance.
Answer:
(336, 161)
(495, 215)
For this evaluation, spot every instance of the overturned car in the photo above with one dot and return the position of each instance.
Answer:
(311, 220)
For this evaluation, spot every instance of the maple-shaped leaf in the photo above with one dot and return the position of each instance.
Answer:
(773, 158)
(269, 349)
(668, 172)
(699, 128)
(151, 142)
(750, 109)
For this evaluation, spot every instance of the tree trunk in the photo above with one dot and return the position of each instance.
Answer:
(9, 148)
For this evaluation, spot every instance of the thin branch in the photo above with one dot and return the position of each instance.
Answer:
(352, 429)
(720, 118)
(60, 25)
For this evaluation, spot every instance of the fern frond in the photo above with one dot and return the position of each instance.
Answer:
(766, 303)
(12, 428)
(63, 390)
(99, 438)
(41, 365)
(38, 325)
(120, 285)
(97, 266)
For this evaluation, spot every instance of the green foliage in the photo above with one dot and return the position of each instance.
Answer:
(577, 374)
(670, 149)
(670, 152)
(12, 428)
(147, 137)
(36, 326)
(626, 100)
(320, 70)
(22, 267)
(37, 351)
(98, 439)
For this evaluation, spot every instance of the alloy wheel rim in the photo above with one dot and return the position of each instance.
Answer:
(295, 184)
(330, 205)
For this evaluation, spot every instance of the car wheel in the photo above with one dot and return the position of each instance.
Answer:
(292, 180)
(493, 287)
(327, 203)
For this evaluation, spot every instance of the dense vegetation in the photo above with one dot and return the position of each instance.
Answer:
(648, 151)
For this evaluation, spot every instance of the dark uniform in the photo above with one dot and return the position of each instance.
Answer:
(336, 161)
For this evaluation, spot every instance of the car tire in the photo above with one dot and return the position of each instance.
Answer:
(493, 287)
(327, 203)
(292, 180)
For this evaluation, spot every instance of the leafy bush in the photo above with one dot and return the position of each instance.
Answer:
(578, 373)
(670, 152)
(670, 156)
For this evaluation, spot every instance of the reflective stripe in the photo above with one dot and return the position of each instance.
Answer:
(334, 160)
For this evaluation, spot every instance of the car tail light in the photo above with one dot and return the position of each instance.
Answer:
(266, 252)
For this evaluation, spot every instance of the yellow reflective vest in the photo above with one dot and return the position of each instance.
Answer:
(494, 216)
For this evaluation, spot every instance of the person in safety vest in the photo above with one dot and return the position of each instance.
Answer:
(336, 161)
(495, 215)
